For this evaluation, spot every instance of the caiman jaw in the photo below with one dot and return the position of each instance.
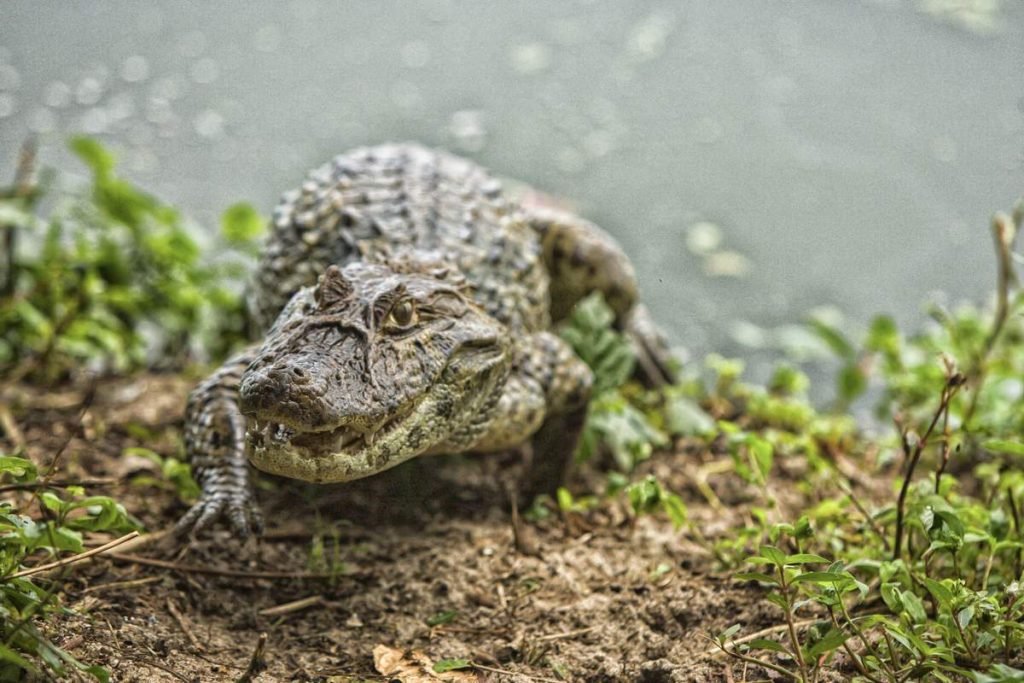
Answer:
(320, 442)
(325, 455)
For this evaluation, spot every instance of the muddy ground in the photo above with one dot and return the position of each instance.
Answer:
(421, 560)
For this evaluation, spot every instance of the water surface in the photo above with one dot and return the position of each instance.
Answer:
(756, 158)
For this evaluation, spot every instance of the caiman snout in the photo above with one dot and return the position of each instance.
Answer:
(280, 391)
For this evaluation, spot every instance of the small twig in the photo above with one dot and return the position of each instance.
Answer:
(854, 657)
(567, 634)
(1004, 232)
(496, 670)
(118, 585)
(10, 427)
(142, 541)
(954, 380)
(293, 606)
(757, 662)
(965, 641)
(847, 488)
(701, 481)
(771, 630)
(90, 395)
(162, 667)
(24, 180)
(1015, 514)
(448, 628)
(788, 610)
(256, 662)
(81, 557)
(184, 625)
(214, 571)
(944, 460)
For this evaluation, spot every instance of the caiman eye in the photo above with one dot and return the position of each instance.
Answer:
(402, 314)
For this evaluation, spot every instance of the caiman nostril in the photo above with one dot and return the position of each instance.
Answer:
(299, 375)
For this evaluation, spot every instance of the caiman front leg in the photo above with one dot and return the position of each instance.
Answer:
(544, 400)
(215, 446)
(582, 258)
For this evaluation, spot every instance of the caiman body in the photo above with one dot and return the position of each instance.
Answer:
(406, 303)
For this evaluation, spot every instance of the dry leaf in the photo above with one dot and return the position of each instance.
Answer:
(414, 667)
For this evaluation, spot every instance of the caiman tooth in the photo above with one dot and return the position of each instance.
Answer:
(368, 437)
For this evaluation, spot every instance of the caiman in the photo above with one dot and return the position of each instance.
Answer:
(408, 304)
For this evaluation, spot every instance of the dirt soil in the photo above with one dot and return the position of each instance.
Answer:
(403, 569)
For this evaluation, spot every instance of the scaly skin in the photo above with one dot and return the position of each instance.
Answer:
(407, 303)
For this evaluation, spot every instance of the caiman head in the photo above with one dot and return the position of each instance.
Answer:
(373, 366)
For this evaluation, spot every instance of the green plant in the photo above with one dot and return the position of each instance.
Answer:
(326, 553)
(58, 528)
(790, 584)
(927, 586)
(112, 278)
(175, 475)
(613, 421)
(648, 495)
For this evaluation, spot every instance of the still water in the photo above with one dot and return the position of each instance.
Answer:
(759, 159)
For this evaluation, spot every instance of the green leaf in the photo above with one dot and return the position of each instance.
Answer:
(675, 508)
(94, 154)
(442, 665)
(33, 319)
(773, 554)
(891, 596)
(964, 616)
(883, 336)
(729, 632)
(240, 224)
(788, 381)
(63, 538)
(902, 640)
(763, 452)
(833, 338)
(589, 331)
(98, 672)
(828, 578)
(1003, 446)
(14, 215)
(913, 607)
(644, 495)
(21, 469)
(852, 382)
(766, 644)
(999, 673)
(803, 528)
(625, 430)
(940, 592)
(52, 501)
(9, 655)
(756, 576)
(829, 642)
(445, 617)
(683, 417)
(952, 522)
(805, 558)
